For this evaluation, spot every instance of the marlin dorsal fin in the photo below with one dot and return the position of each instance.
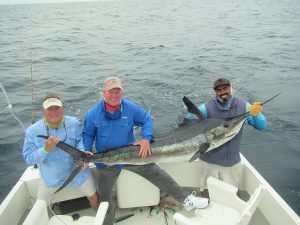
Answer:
(192, 108)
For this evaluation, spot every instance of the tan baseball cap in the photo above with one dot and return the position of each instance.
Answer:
(111, 83)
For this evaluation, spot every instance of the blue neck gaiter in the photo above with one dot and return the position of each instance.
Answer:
(224, 106)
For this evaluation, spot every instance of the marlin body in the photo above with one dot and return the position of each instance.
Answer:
(187, 142)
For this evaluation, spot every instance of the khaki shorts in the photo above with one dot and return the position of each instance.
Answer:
(231, 175)
(88, 188)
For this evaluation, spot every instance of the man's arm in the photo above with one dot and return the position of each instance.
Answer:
(33, 154)
(79, 140)
(202, 108)
(144, 120)
(89, 132)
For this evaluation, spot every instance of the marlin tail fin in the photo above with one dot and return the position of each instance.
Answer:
(70, 178)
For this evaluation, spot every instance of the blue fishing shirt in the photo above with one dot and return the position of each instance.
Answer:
(56, 165)
(110, 133)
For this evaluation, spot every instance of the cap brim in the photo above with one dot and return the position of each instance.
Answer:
(112, 87)
(52, 102)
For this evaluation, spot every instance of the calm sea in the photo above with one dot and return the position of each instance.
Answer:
(162, 50)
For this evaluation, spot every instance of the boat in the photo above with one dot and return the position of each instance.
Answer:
(138, 201)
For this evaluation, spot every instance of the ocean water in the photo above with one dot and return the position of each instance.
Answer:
(162, 50)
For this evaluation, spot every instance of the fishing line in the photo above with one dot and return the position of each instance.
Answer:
(9, 106)
(51, 196)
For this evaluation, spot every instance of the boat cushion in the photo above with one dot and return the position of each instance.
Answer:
(134, 190)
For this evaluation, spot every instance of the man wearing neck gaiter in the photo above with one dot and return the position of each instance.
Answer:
(54, 164)
(110, 125)
(224, 162)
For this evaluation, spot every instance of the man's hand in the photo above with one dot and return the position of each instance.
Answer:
(50, 143)
(85, 165)
(255, 109)
(145, 148)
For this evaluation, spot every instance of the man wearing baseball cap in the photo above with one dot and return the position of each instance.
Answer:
(224, 162)
(54, 164)
(110, 125)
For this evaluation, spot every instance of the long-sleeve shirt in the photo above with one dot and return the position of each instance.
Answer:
(110, 133)
(56, 165)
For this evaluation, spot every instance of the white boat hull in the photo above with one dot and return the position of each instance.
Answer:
(272, 207)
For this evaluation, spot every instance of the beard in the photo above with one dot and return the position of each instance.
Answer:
(224, 97)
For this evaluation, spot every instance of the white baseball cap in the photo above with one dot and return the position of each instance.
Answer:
(51, 99)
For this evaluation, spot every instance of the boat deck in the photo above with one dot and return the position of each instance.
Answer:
(158, 215)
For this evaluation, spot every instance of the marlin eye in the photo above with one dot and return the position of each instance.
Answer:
(226, 125)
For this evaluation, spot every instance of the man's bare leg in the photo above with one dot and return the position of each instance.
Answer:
(94, 201)
(205, 194)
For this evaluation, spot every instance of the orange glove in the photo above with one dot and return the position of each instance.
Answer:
(255, 109)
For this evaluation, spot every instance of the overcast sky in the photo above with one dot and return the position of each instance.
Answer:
(7, 2)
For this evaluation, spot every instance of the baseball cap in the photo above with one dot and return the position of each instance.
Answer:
(111, 83)
(221, 81)
(51, 99)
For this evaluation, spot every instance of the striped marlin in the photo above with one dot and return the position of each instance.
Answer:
(187, 142)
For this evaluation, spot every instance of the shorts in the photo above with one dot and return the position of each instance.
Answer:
(87, 188)
(232, 175)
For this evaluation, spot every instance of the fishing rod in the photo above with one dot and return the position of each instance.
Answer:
(32, 92)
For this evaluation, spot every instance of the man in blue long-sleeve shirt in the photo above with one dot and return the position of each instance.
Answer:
(110, 124)
(54, 164)
(224, 162)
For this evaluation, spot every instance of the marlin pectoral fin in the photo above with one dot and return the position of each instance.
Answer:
(201, 150)
(74, 152)
(192, 108)
(70, 178)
